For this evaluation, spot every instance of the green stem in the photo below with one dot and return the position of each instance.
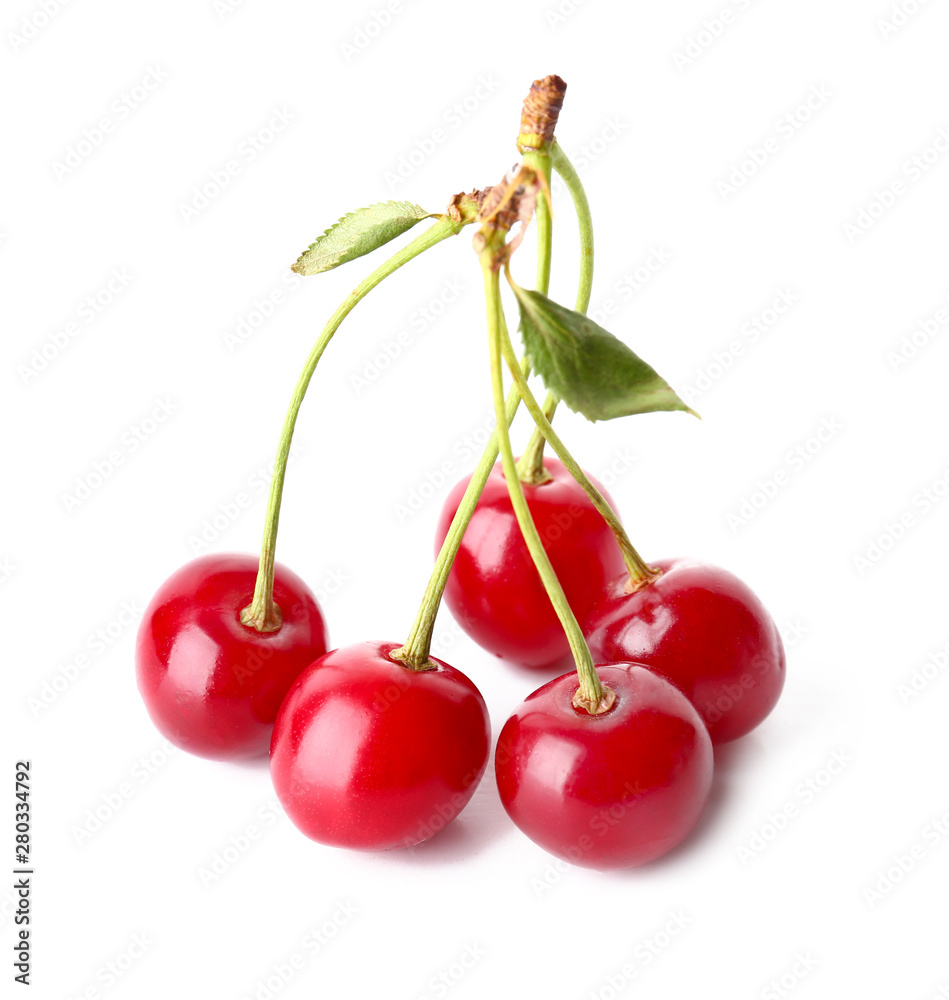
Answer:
(591, 695)
(531, 466)
(571, 178)
(262, 613)
(416, 653)
(539, 160)
(640, 573)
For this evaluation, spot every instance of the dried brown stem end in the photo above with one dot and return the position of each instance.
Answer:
(464, 208)
(505, 205)
(540, 113)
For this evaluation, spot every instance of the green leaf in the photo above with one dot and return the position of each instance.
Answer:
(592, 371)
(359, 233)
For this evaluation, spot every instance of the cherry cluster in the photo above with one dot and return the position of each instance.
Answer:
(379, 745)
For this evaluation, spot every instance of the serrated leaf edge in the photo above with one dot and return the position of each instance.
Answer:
(412, 210)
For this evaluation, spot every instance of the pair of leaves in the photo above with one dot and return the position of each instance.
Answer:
(592, 371)
(358, 233)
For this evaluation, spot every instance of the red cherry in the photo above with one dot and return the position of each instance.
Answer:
(608, 791)
(370, 754)
(703, 629)
(495, 592)
(212, 685)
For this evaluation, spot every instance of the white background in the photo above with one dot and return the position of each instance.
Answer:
(654, 137)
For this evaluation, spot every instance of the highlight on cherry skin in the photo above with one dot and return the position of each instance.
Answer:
(614, 790)
(371, 754)
(495, 592)
(212, 685)
(704, 630)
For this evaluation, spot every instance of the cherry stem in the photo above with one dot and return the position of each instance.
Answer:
(262, 613)
(592, 695)
(539, 161)
(531, 466)
(416, 653)
(538, 120)
(563, 166)
(640, 573)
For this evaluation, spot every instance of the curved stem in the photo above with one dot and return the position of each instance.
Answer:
(531, 466)
(416, 653)
(640, 573)
(591, 695)
(563, 166)
(262, 613)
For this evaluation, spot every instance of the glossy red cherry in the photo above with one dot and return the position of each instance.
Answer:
(608, 791)
(703, 629)
(212, 685)
(495, 592)
(370, 754)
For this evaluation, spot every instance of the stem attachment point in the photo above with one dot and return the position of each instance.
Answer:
(262, 618)
(593, 705)
(648, 574)
(403, 656)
